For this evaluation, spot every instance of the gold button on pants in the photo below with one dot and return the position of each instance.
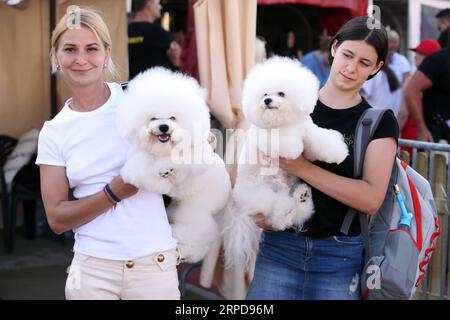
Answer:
(138, 278)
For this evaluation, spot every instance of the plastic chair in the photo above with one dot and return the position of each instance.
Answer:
(7, 145)
(26, 189)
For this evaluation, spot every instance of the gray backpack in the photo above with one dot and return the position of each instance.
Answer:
(401, 237)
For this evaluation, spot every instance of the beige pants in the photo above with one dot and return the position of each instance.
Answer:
(151, 278)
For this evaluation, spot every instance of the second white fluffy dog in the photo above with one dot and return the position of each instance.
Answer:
(278, 97)
(165, 118)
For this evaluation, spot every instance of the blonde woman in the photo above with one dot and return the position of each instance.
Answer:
(124, 247)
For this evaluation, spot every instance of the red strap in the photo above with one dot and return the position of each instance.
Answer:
(409, 234)
(365, 295)
(429, 251)
(417, 209)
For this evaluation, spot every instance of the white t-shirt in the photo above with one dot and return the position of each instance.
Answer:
(400, 65)
(377, 93)
(376, 90)
(89, 146)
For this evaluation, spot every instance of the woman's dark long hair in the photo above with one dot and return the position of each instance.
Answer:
(358, 29)
(393, 82)
(282, 48)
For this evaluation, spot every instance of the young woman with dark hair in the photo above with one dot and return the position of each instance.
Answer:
(319, 261)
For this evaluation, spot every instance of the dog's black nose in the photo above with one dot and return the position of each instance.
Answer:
(163, 128)
(267, 101)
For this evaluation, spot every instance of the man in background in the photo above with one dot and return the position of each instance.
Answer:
(149, 44)
(443, 22)
(317, 61)
(405, 121)
(432, 79)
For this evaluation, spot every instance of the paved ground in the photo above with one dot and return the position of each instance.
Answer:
(36, 270)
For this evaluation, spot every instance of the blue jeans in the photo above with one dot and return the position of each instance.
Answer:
(295, 267)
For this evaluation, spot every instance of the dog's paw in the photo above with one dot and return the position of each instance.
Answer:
(340, 153)
(304, 204)
(166, 173)
(337, 149)
(130, 175)
(191, 250)
(126, 174)
(191, 253)
(302, 194)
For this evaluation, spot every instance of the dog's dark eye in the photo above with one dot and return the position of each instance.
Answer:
(173, 118)
(153, 119)
(281, 94)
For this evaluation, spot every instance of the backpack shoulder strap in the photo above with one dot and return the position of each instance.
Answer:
(365, 129)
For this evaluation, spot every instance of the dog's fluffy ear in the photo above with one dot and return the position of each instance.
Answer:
(203, 93)
(203, 115)
(131, 116)
(137, 102)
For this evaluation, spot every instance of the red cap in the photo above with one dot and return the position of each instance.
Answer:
(427, 46)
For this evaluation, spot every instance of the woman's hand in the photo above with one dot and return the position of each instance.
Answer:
(260, 221)
(121, 189)
(292, 166)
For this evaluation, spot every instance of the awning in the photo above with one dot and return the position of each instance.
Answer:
(357, 8)
(335, 13)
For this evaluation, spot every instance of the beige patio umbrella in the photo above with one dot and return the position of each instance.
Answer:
(24, 65)
(225, 36)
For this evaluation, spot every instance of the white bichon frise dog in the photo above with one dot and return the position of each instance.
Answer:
(165, 118)
(278, 97)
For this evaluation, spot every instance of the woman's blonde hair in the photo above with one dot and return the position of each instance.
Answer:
(393, 36)
(76, 17)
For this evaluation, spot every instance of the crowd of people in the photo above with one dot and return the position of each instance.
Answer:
(399, 86)
(418, 95)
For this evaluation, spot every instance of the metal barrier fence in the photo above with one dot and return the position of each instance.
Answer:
(431, 161)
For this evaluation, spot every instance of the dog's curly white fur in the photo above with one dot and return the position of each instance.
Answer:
(278, 97)
(165, 118)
